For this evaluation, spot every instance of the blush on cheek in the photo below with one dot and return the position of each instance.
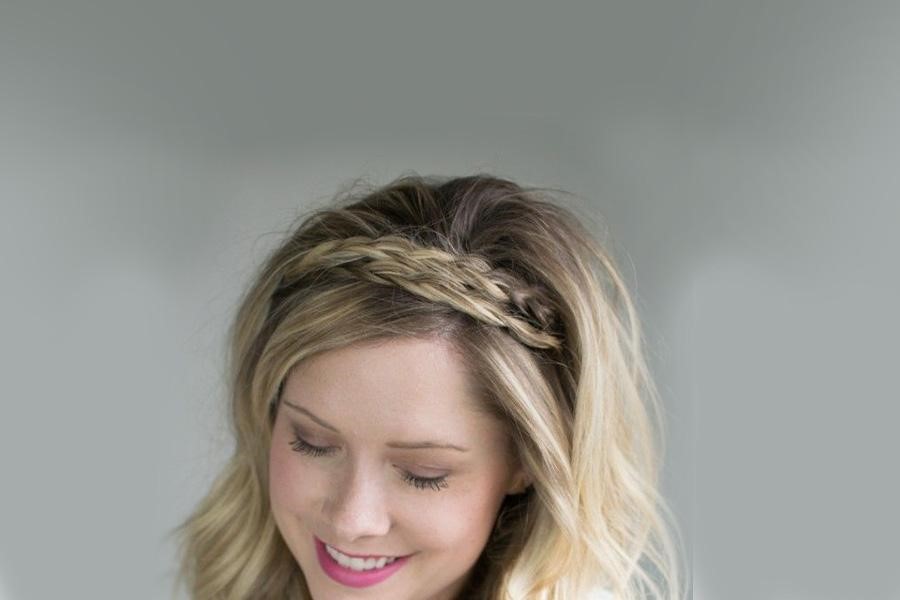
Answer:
(276, 466)
(462, 525)
(287, 499)
(282, 476)
(295, 485)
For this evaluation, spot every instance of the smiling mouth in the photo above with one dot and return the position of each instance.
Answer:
(356, 571)
(358, 563)
(340, 555)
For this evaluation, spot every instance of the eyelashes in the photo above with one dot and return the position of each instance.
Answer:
(304, 447)
(435, 483)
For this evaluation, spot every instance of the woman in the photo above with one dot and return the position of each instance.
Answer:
(438, 393)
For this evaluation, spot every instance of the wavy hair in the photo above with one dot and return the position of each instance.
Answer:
(540, 313)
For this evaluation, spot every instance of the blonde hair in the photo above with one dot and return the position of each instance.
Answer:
(543, 318)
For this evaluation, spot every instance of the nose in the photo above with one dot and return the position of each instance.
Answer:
(356, 506)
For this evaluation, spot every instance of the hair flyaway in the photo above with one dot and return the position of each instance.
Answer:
(536, 311)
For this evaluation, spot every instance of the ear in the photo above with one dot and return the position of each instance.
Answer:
(519, 482)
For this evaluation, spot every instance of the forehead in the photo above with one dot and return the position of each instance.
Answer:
(406, 380)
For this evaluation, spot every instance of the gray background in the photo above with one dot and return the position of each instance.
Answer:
(742, 154)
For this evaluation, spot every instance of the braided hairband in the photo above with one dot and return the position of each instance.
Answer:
(466, 283)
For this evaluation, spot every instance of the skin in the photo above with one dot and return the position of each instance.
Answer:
(356, 499)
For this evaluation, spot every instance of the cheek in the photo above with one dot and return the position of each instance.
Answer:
(290, 481)
(460, 522)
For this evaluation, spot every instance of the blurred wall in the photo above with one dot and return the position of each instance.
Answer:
(741, 155)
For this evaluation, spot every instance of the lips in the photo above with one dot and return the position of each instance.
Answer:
(355, 578)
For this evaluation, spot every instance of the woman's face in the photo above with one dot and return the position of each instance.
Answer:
(378, 451)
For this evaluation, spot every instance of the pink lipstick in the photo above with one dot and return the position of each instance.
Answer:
(351, 578)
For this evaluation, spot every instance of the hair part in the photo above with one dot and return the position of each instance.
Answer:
(539, 313)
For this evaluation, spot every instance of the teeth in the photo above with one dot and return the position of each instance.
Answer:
(358, 564)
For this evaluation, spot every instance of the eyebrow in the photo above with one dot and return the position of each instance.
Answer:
(405, 445)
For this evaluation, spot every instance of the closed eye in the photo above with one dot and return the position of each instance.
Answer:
(304, 447)
(434, 483)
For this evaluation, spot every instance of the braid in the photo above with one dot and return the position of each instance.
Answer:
(467, 283)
